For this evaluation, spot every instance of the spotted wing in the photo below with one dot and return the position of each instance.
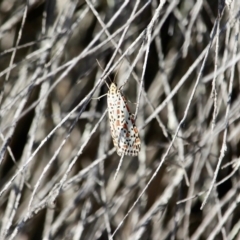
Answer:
(123, 130)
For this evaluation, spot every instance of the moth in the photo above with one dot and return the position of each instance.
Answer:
(122, 124)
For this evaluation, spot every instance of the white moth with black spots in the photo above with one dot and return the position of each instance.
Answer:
(122, 124)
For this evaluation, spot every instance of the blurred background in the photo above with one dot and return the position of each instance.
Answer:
(176, 62)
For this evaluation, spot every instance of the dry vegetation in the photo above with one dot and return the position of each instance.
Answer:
(177, 63)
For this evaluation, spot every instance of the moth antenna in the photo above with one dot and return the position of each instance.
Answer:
(117, 73)
(103, 70)
(108, 76)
